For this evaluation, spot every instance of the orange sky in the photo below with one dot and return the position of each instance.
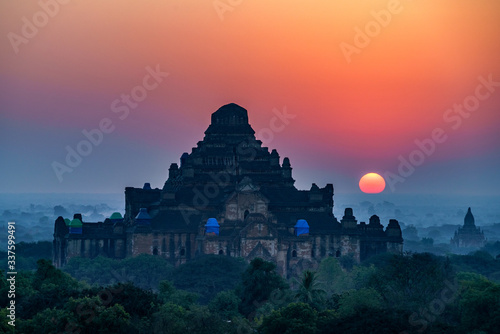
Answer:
(351, 117)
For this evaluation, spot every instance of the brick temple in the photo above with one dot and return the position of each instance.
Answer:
(233, 197)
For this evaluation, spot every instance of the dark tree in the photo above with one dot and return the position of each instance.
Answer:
(51, 288)
(295, 318)
(411, 281)
(258, 282)
(208, 275)
(310, 290)
(225, 304)
(134, 300)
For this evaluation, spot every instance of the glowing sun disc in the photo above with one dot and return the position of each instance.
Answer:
(372, 183)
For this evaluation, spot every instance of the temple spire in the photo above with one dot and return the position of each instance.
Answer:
(469, 219)
(230, 119)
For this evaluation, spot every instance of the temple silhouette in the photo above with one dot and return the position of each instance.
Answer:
(468, 236)
(229, 196)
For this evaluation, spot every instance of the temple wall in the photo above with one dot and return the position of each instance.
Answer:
(350, 245)
(395, 248)
(175, 247)
(215, 245)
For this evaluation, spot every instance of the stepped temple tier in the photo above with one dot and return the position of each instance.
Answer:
(229, 196)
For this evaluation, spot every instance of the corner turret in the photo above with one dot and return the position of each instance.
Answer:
(348, 221)
(393, 230)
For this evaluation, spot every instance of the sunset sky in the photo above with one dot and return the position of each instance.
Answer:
(354, 112)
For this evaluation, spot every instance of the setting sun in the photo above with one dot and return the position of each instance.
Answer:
(372, 183)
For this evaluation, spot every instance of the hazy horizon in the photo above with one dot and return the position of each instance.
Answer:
(408, 208)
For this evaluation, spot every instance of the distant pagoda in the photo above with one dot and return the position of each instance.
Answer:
(468, 236)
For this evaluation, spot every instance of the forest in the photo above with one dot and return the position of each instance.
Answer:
(409, 293)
